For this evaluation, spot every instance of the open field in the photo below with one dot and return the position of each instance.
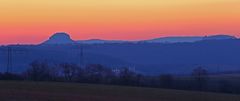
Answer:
(41, 91)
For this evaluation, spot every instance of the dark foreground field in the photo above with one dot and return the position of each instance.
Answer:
(32, 91)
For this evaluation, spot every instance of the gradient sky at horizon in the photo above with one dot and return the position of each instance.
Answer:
(33, 21)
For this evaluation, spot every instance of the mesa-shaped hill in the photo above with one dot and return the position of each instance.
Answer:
(59, 38)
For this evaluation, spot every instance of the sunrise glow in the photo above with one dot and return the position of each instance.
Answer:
(32, 21)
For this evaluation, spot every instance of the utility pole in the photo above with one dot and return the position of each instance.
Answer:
(9, 59)
(81, 56)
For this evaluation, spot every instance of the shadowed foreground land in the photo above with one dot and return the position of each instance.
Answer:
(32, 91)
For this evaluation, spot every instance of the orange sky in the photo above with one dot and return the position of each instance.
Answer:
(32, 21)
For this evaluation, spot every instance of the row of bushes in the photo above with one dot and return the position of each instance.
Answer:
(99, 74)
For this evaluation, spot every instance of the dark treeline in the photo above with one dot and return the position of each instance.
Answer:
(99, 74)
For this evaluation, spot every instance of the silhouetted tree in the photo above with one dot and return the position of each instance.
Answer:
(10, 76)
(38, 71)
(166, 81)
(200, 76)
(69, 71)
(127, 77)
(225, 87)
(97, 73)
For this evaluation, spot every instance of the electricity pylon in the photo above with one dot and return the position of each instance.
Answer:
(10, 52)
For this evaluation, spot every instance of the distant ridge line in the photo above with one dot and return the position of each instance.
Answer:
(65, 38)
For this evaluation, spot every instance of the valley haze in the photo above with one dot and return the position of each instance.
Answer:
(173, 55)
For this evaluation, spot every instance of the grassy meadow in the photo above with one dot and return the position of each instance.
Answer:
(48, 91)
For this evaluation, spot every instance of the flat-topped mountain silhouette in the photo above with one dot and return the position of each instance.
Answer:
(60, 38)
(64, 38)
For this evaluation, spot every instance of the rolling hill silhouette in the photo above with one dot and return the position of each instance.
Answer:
(216, 54)
(64, 38)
